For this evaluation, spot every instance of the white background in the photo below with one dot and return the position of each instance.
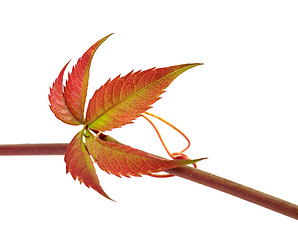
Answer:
(239, 109)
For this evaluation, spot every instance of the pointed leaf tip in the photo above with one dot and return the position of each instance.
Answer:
(75, 91)
(123, 99)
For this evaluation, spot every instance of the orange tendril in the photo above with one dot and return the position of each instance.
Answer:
(174, 155)
(178, 155)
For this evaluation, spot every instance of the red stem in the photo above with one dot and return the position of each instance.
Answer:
(237, 190)
(192, 174)
(33, 149)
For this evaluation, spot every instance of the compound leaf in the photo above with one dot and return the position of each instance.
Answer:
(116, 103)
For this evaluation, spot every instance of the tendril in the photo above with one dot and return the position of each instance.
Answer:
(176, 155)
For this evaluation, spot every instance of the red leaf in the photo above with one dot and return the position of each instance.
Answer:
(57, 101)
(75, 91)
(120, 159)
(80, 165)
(123, 99)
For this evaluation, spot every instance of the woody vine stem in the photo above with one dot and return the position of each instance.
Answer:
(192, 174)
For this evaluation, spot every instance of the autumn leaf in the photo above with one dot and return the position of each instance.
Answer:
(120, 159)
(115, 104)
(123, 99)
(80, 165)
(75, 90)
